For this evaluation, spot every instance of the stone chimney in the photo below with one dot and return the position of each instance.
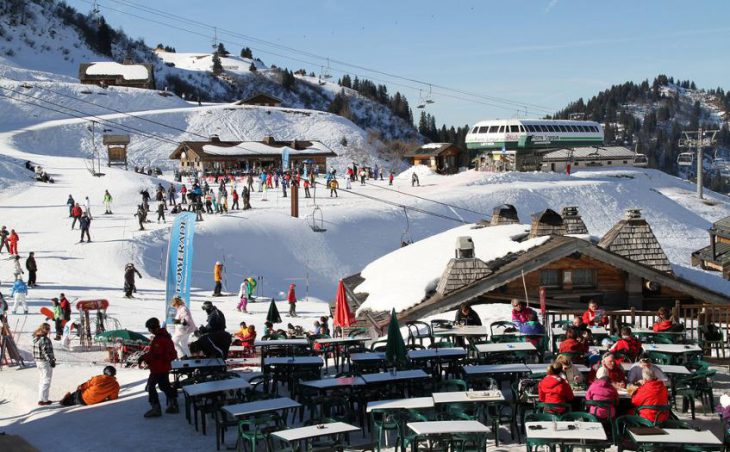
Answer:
(547, 222)
(268, 140)
(633, 239)
(462, 270)
(504, 214)
(215, 139)
(294, 144)
(573, 222)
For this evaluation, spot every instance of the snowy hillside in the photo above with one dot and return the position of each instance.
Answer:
(203, 62)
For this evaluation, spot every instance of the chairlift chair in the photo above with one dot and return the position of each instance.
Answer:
(405, 238)
(421, 100)
(685, 159)
(315, 220)
(429, 99)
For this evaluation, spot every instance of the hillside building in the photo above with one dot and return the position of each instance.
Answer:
(442, 158)
(261, 100)
(109, 73)
(716, 256)
(557, 160)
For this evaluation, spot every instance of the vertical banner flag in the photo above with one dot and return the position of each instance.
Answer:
(285, 158)
(543, 300)
(179, 262)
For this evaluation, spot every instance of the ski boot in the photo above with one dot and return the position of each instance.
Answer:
(155, 411)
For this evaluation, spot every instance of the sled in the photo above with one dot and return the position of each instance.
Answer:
(49, 315)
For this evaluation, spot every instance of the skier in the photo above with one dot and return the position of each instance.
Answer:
(57, 317)
(129, 285)
(17, 271)
(390, 178)
(184, 194)
(414, 180)
(13, 242)
(107, 203)
(234, 206)
(19, 291)
(70, 203)
(184, 326)
(348, 184)
(158, 359)
(306, 188)
(245, 293)
(334, 185)
(363, 175)
(217, 278)
(292, 299)
(87, 207)
(198, 209)
(145, 199)
(161, 212)
(44, 361)
(141, 216)
(4, 238)
(249, 182)
(75, 214)
(246, 198)
(171, 194)
(96, 390)
(85, 224)
(32, 268)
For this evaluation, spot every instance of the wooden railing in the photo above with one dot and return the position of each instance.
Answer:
(636, 317)
(698, 315)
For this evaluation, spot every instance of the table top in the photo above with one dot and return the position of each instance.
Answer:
(666, 368)
(236, 348)
(559, 331)
(622, 393)
(468, 330)
(197, 363)
(327, 383)
(429, 353)
(505, 347)
(468, 397)
(367, 356)
(679, 436)
(341, 340)
(582, 430)
(671, 348)
(541, 368)
(413, 403)
(399, 375)
(216, 386)
(261, 406)
(650, 331)
(495, 369)
(447, 427)
(293, 361)
(314, 431)
(515, 334)
(281, 342)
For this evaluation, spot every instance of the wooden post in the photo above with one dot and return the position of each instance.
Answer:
(295, 200)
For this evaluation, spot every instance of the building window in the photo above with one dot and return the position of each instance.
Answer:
(584, 277)
(550, 278)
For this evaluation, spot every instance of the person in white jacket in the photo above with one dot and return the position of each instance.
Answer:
(184, 326)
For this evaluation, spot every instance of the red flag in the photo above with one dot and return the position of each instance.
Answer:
(543, 300)
(343, 316)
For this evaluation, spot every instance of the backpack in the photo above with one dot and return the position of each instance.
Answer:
(711, 332)
(527, 389)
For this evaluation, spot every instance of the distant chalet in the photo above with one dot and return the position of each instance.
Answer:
(109, 73)
(442, 158)
(261, 100)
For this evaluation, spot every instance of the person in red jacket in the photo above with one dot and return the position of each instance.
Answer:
(292, 299)
(594, 316)
(651, 392)
(571, 344)
(628, 345)
(615, 372)
(665, 320)
(76, 213)
(554, 388)
(13, 242)
(161, 353)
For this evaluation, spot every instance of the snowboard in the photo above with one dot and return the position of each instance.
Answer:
(49, 315)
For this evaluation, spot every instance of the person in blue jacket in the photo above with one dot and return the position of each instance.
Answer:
(19, 292)
(533, 328)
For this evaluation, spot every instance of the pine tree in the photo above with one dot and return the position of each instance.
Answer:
(252, 68)
(222, 50)
(246, 53)
(104, 38)
(217, 66)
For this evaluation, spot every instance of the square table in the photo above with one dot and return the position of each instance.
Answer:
(582, 431)
(679, 437)
(187, 366)
(596, 330)
(302, 434)
(429, 428)
(260, 406)
(495, 369)
(462, 331)
(398, 376)
(506, 347)
(333, 383)
(541, 368)
(413, 403)
(437, 353)
(666, 368)
(468, 397)
(672, 349)
(282, 343)
(293, 361)
(367, 357)
(191, 392)
(337, 343)
(581, 393)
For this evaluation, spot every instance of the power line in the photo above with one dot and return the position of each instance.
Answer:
(453, 206)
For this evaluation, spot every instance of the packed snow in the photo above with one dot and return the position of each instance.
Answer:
(127, 71)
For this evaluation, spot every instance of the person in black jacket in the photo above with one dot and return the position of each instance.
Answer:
(129, 285)
(32, 268)
(467, 316)
(214, 341)
(85, 224)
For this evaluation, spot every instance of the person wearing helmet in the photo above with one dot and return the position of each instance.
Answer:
(96, 390)
(159, 358)
(218, 277)
(214, 341)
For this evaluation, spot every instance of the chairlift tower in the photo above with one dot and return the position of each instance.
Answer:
(699, 139)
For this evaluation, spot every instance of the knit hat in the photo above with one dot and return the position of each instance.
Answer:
(601, 373)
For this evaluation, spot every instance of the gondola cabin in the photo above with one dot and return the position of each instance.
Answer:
(533, 134)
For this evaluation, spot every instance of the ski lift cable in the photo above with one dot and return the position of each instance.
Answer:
(453, 206)
(173, 17)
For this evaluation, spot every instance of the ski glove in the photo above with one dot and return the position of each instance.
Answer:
(53, 363)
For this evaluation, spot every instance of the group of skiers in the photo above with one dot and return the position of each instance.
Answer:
(83, 214)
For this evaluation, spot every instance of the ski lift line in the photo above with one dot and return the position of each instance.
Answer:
(395, 204)
(428, 199)
(471, 95)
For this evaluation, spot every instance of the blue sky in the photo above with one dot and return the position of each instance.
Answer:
(542, 53)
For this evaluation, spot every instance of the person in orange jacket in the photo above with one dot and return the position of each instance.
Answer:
(554, 389)
(13, 242)
(96, 390)
(218, 278)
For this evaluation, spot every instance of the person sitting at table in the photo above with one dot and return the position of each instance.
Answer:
(578, 324)
(570, 372)
(240, 334)
(594, 316)
(290, 330)
(248, 338)
(532, 328)
(324, 327)
(651, 392)
(268, 329)
(615, 372)
(602, 390)
(636, 369)
(665, 322)
(554, 388)
(317, 329)
(467, 316)
(627, 344)
(520, 312)
(570, 344)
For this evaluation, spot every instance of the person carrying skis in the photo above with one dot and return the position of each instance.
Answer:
(107, 203)
(96, 390)
(129, 285)
(32, 268)
(19, 292)
(76, 213)
(161, 212)
(184, 326)
(85, 224)
(141, 215)
(45, 361)
(218, 278)
(158, 359)
(292, 299)
(13, 242)
(70, 203)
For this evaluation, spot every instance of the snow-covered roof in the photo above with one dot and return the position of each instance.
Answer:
(127, 71)
(259, 148)
(431, 149)
(590, 153)
(403, 278)
(433, 145)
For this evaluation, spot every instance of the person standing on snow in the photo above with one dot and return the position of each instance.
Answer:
(141, 215)
(4, 238)
(161, 212)
(32, 268)
(129, 285)
(184, 326)
(306, 188)
(158, 359)
(70, 203)
(184, 194)
(171, 195)
(246, 195)
(76, 213)
(44, 361)
(107, 203)
(390, 178)
(292, 299)
(234, 194)
(249, 182)
(87, 207)
(217, 278)
(17, 271)
(19, 292)
(13, 242)
(414, 180)
(65, 307)
(85, 224)
(333, 185)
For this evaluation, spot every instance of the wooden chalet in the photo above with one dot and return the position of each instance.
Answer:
(220, 157)
(109, 73)
(442, 158)
(571, 270)
(716, 256)
(116, 149)
(261, 100)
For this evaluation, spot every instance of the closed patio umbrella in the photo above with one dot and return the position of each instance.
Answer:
(273, 314)
(395, 349)
(343, 316)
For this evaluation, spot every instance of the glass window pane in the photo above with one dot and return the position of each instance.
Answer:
(483, 129)
(550, 278)
(493, 129)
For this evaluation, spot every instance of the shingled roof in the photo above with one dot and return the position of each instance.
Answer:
(504, 214)
(461, 272)
(633, 239)
(573, 222)
(547, 222)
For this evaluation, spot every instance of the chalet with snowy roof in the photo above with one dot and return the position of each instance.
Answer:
(716, 256)
(587, 157)
(109, 73)
(261, 100)
(442, 158)
(489, 265)
(215, 156)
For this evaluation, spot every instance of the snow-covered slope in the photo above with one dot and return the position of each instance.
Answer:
(203, 62)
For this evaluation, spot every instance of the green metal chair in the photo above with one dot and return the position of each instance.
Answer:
(659, 408)
(623, 423)
(498, 328)
(578, 416)
(610, 408)
(418, 331)
(676, 423)
(553, 408)
(659, 357)
(257, 428)
(453, 385)
(385, 421)
(596, 446)
(378, 346)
